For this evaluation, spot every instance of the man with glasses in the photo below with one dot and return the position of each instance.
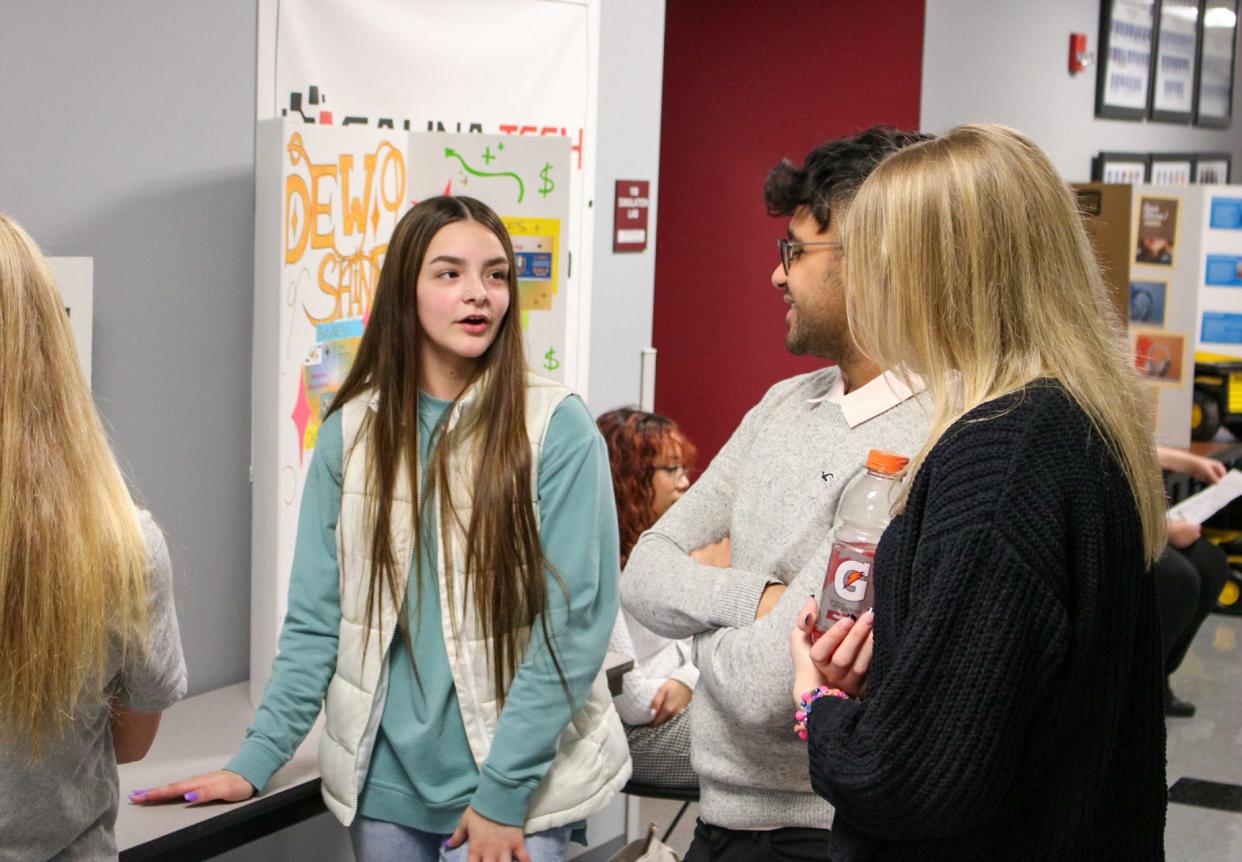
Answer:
(759, 520)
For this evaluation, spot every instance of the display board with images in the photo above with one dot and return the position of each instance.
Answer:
(1163, 305)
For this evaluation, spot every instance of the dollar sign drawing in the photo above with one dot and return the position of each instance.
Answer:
(548, 184)
(550, 362)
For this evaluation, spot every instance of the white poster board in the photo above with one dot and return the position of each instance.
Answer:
(525, 180)
(1220, 266)
(75, 279)
(327, 200)
(522, 68)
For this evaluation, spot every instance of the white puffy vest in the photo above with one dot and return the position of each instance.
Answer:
(592, 758)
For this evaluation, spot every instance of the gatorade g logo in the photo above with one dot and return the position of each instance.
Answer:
(850, 580)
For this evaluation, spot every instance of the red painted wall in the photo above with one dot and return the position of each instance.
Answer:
(746, 83)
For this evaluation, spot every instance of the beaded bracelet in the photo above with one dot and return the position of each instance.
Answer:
(804, 710)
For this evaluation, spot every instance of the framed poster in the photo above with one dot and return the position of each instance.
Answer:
(1131, 168)
(1157, 230)
(1212, 169)
(1173, 73)
(1172, 169)
(1127, 38)
(1214, 93)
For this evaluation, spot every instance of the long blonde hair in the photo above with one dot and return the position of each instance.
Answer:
(969, 266)
(72, 555)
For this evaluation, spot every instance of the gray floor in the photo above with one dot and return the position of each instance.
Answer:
(662, 812)
(1208, 746)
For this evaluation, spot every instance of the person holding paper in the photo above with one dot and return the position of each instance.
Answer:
(1189, 575)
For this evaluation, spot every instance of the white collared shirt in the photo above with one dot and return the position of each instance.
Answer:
(870, 400)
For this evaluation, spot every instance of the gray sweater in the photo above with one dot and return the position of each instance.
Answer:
(773, 489)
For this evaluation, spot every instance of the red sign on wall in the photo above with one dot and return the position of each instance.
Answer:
(633, 199)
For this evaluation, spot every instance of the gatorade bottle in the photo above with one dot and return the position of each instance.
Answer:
(863, 512)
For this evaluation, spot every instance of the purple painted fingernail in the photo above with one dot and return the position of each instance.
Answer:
(192, 796)
(445, 843)
(853, 617)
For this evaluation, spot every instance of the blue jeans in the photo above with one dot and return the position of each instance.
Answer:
(381, 841)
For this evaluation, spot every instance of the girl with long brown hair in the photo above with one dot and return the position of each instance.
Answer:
(89, 647)
(651, 463)
(454, 581)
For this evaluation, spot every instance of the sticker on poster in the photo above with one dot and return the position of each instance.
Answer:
(1223, 270)
(1147, 300)
(1221, 327)
(536, 252)
(1226, 213)
(1157, 231)
(326, 367)
(1158, 356)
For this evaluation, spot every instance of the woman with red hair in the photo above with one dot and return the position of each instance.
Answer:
(651, 460)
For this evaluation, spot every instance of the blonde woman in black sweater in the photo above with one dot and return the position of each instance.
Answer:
(1003, 701)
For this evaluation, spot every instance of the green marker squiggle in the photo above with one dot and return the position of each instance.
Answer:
(453, 154)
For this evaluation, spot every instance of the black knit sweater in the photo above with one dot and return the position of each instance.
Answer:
(1013, 709)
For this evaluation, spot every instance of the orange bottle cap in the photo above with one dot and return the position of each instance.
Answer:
(889, 463)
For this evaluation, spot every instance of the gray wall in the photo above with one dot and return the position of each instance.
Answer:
(128, 136)
(631, 80)
(1005, 61)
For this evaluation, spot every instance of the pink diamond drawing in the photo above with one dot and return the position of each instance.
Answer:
(300, 416)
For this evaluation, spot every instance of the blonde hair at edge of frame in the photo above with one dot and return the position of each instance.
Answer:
(72, 555)
(970, 267)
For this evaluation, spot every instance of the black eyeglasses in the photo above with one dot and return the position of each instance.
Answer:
(787, 247)
(675, 470)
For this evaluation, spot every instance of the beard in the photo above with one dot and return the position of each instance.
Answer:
(807, 338)
(795, 345)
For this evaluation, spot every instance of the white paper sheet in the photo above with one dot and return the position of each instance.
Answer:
(1199, 507)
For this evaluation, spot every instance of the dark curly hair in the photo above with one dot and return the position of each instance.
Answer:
(635, 439)
(832, 173)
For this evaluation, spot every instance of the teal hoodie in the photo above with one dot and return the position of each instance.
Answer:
(422, 773)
